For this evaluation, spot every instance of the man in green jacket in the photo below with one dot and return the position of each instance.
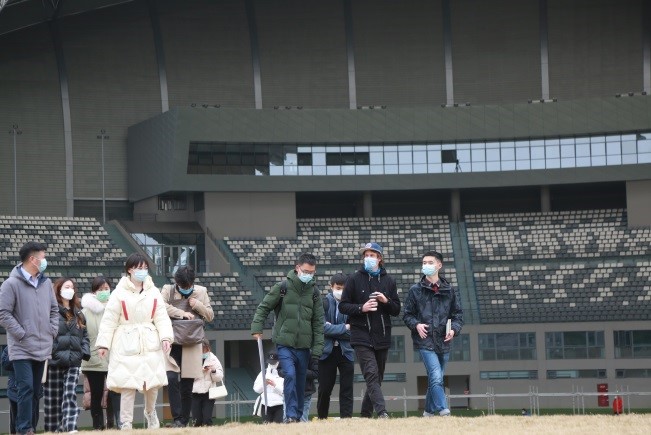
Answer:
(298, 330)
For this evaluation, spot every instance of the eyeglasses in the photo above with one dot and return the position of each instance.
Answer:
(307, 272)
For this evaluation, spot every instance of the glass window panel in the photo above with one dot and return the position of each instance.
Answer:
(435, 168)
(420, 156)
(567, 162)
(420, 169)
(522, 164)
(275, 170)
(390, 158)
(362, 170)
(291, 159)
(319, 170)
(522, 153)
(537, 164)
(567, 151)
(582, 140)
(508, 154)
(478, 167)
(552, 152)
(420, 147)
(598, 149)
(390, 169)
(613, 148)
(348, 170)
(644, 158)
(478, 155)
(304, 149)
(537, 152)
(405, 169)
(318, 159)
(305, 170)
(629, 159)
(492, 155)
(435, 156)
(598, 160)
(564, 141)
(507, 144)
(508, 165)
(447, 146)
(376, 148)
(377, 169)
(597, 139)
(538, 143)
(361, 148)
(318, 149)
(333, 170)
(377, 158)
(613, 138)
(405, 157)
(463, 156)
(437, 147)
(478, 146)
(584, 161)
(347, 149)
(583, 150)
(493, 166)
(390, 148)
(449, 168)
(463, 146)
(522, 144)
(629, 147)
(492, 145)
(614, 160)
(644, 146)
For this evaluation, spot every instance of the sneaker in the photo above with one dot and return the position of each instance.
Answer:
(428, 414)
(383, 415)
(152, 420)
(291, 420)
(126, 426)
(179, 423)
(73, 431)
(445, 412)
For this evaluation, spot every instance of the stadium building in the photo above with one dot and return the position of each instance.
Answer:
(512, 136)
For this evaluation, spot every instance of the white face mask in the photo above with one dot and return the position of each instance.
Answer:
(337, 294)
(67, 293)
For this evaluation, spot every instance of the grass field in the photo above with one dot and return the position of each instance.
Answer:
(498, 425)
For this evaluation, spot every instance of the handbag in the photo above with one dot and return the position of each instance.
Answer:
(186, 331)
(217, 392)
(86, 398)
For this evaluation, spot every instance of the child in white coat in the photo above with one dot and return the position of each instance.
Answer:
(202, 405)
(274, 412)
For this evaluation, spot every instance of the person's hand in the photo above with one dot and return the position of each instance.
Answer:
(166, 346)
(328, 323)
(422, 328)
(192, 302)
(206, 368)
(314, 366)
(370, 305)
(271, 382)
(381, 298)
(257, 336)
(102, 352)
(449, 336)
(188, 316)
(347, 326)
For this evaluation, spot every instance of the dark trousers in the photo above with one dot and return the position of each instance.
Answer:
(202, 408)
(179, 391)
(275, 414)
(372, 362)
(113, 413)
(28, 374)
(12, 416)
(327, 376)
(96, 381)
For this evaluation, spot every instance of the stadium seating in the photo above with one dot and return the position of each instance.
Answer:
(234, 305)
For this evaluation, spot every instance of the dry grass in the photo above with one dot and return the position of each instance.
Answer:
(498, 425)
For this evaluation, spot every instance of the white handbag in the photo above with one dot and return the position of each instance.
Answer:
(217, 392)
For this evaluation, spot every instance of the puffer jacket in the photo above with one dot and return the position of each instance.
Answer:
(71, 344)
(93, 311)
(300, 320)
(274, 393)
(372, 329)
(423, 305)
(208, 378)
(132, 328)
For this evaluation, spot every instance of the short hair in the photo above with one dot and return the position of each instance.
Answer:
(184, 276)
(436, 254)
(29, 248)
(99, 281)
(135, 260)
(206, 343)
(338, 278)
(306, 258)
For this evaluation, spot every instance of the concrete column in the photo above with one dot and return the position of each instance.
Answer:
(455, 205)
(368, 204)
(545, 199)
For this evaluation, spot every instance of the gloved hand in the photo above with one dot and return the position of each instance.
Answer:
(314, 366)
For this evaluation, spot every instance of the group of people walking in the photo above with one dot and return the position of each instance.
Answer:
(121, 340)
(353, 319)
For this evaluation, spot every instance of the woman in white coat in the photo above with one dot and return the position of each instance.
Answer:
(138, 332)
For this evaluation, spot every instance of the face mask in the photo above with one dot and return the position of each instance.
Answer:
(185, 292)
(140, 274)
(337, 294)
(305, 277)
(42, 266)
(273, 366)
(205, 355)
(103, 295)
(370, 264)
(67, 293)
(429, 269)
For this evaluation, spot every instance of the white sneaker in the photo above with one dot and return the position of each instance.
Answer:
(428, 414)
(152, 420)
(126, 426)
(444, 412)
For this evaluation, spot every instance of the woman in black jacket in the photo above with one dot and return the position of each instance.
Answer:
(70, 346)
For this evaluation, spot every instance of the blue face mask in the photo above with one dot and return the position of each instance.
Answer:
(305, 277)
(42, 265)
(429, 269)
(185, 292)
(370, 264)
(140, 274)
(205, 355)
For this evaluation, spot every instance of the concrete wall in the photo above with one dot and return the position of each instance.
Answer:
(638, 203)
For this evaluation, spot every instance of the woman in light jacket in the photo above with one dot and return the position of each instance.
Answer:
(202, 404)
(138, 332)
(96, 368)
(184, 359)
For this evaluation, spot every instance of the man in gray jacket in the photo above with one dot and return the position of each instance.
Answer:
(30, 314)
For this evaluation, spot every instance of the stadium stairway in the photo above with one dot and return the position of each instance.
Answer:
(463, 266)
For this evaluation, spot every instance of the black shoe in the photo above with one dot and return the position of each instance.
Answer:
(179, 423)
(384, 415)
(291, 420)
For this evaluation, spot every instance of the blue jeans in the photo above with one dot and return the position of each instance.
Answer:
(307, 404)
(28, 374)
(435, 367)
(293, 363)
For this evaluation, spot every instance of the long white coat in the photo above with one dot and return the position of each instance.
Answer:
(203, 383)
(132, 328)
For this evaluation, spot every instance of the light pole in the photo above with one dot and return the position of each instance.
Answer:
(15, 132)
(103, 136)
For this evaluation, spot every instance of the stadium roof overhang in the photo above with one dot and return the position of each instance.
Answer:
(20, 14)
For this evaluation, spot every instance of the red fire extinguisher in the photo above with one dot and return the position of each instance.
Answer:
(618, 405)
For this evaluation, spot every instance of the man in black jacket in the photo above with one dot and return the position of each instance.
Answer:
(430, 304)
(369, 299)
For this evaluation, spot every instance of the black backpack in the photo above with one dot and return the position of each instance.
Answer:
(316, 295)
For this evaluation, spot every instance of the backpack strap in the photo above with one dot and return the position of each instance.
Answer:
(283, 292)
